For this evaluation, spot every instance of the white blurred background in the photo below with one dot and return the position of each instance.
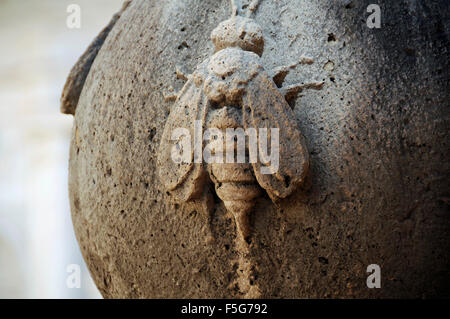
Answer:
(38, 49)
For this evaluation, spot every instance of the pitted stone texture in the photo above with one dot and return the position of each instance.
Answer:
(376, 132)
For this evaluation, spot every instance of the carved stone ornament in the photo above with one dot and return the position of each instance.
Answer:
(310, 192)
(231, 90)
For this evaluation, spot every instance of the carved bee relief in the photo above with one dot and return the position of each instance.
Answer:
(231, 89)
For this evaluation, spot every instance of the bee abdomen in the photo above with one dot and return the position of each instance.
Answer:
(233, 172)
(238, 191)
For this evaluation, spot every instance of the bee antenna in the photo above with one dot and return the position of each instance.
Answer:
(236, 7)
(252, 8)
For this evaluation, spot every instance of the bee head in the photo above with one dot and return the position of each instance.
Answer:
(240, 32)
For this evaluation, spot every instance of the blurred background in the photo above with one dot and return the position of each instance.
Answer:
(37, 242)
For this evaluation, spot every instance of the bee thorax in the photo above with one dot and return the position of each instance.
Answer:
(225, 117)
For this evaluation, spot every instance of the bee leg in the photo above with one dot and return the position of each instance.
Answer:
(305, 60)
(291, 92)
(280, 73)
(181, 73)
(171, 95)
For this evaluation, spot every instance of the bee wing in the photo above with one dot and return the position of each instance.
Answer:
(264, 106)
(184, 180)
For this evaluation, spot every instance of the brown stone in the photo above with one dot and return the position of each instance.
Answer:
(377, 188)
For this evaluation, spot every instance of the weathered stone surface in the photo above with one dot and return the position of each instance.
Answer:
(77, 76)
(377, 136)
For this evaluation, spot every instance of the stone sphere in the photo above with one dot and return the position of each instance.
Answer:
(377, 136)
